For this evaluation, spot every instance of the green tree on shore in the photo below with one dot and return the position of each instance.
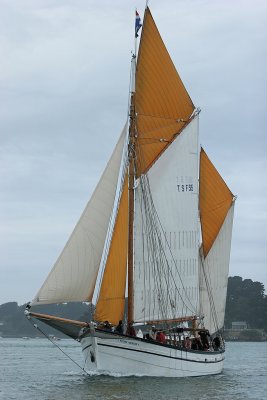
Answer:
(246, 301)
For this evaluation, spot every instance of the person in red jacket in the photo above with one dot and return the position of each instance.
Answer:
(161, 337)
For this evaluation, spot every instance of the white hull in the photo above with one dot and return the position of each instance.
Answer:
(109, 353)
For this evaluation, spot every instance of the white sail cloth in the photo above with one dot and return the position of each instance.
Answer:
(167, 286)
(214, 277)
(74, 274)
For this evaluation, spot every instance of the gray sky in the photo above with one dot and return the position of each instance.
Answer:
(64, 79)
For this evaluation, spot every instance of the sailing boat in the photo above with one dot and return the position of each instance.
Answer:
(156, 231)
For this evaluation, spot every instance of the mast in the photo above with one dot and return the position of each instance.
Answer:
(131, 156)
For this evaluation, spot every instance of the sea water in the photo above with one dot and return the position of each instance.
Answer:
(35, 369)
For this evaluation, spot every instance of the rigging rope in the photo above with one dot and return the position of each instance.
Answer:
(156, 221)
(210, 296)
(56, 345)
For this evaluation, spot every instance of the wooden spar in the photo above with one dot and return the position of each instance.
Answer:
(195, 330)
(131, 152)
(169, 321)
(53, 318)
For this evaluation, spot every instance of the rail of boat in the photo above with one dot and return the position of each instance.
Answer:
(172, 341)
(111, 352)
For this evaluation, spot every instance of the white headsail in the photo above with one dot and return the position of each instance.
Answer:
(74, 274)
(166, 233)
(214, 277)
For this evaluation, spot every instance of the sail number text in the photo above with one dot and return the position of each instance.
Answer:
(185, 188)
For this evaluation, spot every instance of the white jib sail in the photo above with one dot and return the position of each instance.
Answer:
(74, 274)
(214, 271)
(166, 271)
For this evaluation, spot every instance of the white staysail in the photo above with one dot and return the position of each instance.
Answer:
(214, 277)
(74, 274)
(166, 260)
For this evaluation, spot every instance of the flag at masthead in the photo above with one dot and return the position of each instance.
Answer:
(137, 23)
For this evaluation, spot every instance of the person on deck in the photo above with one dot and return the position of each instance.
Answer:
(107, 326)
(161, 337)
(199, 345)
(205, 335)
(131, 330)
(152, 334)
(216, 343)
(194, 345)
(187, 343)
(119, 328)
(139, 334)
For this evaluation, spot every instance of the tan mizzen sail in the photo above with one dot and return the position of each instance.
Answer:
(163, 105)
(215, 200)
(111, 301)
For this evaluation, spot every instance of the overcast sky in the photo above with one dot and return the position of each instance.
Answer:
(64, 79)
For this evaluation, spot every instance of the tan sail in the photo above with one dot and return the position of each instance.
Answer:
(163, 105)
(215, 200)
(110, 305)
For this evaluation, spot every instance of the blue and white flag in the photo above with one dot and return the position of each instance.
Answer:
(137, 23)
